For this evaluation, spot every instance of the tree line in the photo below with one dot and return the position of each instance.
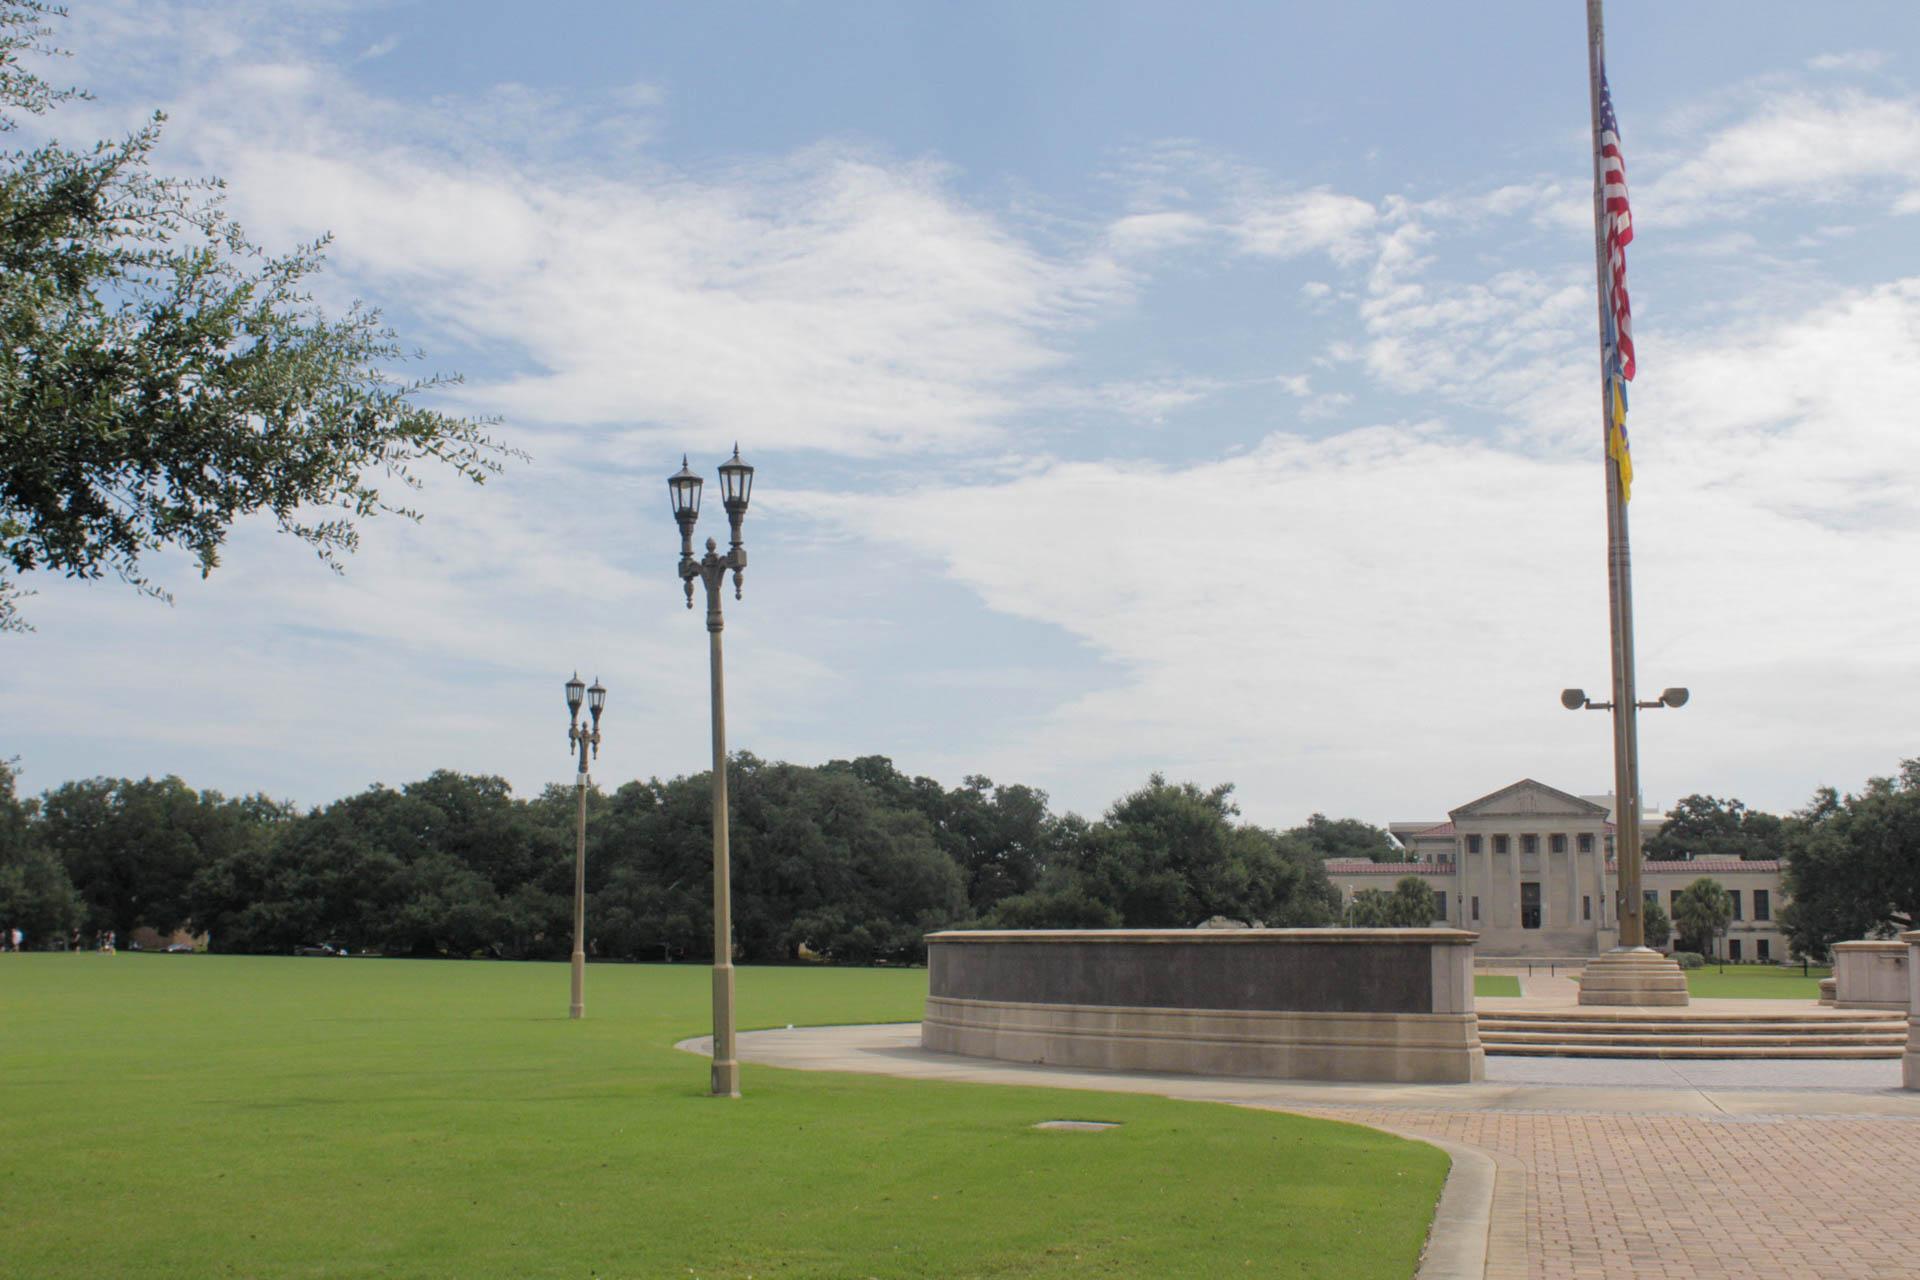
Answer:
(850, 861)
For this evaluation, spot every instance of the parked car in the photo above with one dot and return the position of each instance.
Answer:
(322, 949)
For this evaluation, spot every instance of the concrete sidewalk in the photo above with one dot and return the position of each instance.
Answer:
(1570, 1168)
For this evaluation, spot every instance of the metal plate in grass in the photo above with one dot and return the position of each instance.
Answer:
(1091, 1126)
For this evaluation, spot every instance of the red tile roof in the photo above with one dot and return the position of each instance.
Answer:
(1705, 866)
(1698, 867)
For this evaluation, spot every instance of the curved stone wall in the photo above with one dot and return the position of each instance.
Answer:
(1313, 1004)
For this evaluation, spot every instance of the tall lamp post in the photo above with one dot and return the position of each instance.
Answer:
(585, 738)
(736, 486)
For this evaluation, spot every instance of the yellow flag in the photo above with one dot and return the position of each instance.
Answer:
(1617, 442)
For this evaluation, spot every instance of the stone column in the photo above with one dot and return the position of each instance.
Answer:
(1601, 898)
(1573, 881)
(1513, 882)
(1910, 1064)
(1462, 890)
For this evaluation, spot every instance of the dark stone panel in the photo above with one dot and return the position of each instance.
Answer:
(1359, 977)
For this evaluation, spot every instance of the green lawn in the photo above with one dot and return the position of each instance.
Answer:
(222, 1116)
(1756, 982)
(1496, 984)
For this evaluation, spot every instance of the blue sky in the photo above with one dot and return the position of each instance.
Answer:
(1203, 388)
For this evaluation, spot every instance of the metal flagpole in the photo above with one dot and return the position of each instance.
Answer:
(1626, 730)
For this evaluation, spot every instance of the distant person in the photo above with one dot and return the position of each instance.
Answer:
(73, 939)
(108, 948)
(19, 940)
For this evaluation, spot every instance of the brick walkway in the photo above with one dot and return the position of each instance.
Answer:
(1691, 1197)
(1607, 1170)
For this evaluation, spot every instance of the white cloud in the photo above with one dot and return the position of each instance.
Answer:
(1854, 60)
(828, 300)
(1153, 232)
(1389, 611)
(1803, 145)
(1298, 223)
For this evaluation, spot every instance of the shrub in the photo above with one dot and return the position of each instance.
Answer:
(1689, 959)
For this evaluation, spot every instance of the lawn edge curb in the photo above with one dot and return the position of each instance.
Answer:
(1459, 1240)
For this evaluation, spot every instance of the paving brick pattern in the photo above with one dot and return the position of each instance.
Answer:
(1674, 1197)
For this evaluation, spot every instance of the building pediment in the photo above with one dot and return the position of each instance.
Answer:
(1529, 799)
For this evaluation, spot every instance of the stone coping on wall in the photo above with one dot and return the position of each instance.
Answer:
(1215, 937)
(1892, 946)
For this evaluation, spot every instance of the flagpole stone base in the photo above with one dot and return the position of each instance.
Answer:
(1638, 976)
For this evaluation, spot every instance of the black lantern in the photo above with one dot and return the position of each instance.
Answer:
(596, 699)
(575, 687)
(736, 485)
(685, 488)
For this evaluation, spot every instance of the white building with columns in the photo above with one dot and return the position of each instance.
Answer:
(1529, 868)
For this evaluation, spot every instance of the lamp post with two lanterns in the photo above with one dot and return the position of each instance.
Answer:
(584, 737)
(1629, 911)
(736, 487)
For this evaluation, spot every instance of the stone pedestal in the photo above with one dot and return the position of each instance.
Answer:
(1910, 1065)
(1870, 975)
(1637, 976)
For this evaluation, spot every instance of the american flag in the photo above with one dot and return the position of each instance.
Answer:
(1619, 227)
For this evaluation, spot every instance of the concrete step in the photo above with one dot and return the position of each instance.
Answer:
(1585, 1033)
(1686, 1026)
(1495, 1036)
(1769, 1052)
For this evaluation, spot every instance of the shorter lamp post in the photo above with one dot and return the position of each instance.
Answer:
(736, 485)
(585, 739)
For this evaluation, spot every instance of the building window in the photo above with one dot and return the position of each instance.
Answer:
(1530, 904)
(1762, 906)
(1473, 844)
(1609, 846)
(1440, 896)
(1586, 842)
(1556, 844)
(1735, 895)
(1529, 844)
(1499, 844)
(1586, 906)
(1673, 902)
(1652, 896)
(1733, 949)
(1476, 906)
(1763, 948)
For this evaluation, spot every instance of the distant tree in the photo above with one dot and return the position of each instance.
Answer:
(1659, 929)
(1708, 827)
(37, 896)
(161, 377)
(1701, 914)
(133, 848)
(1369, 909)
(1853, 870)
(997, 835)
(1411, 905)
(1170, 856)
(822, 860)
(1347, 838)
